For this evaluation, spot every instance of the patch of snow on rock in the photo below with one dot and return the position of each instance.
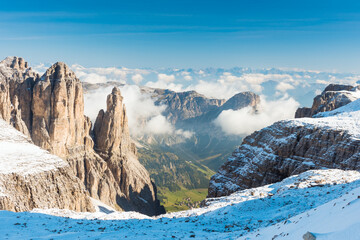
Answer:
(18, 155)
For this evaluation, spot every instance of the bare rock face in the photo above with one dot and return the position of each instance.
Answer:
(282, 150)
(334, 96)
(111, 131)
(5, 103)
(292, 147)
(54, 118)
(16, 80)
(114, 145)
(241, 100)
(58, 123)
(185, 105)
(32, 178)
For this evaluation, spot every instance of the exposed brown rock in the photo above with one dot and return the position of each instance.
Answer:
(303, 112)
(111, 131)
(282, 150)
(334, 96)
(58, 106)
(114, 145)
(51, 189)
(16, 81)
(54, 117)
(5, 103)
(16, 119)
(185, 105)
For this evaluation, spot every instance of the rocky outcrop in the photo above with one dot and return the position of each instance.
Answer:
(191, 107)
(114, 145)
(54, 118)
(32, 178)
(111, 131)
(16, 80)
(185, 105)
(333, 97)
(241, 100)
(58, 121)
(291, 147)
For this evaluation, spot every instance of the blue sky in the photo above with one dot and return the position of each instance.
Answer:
(321, 35)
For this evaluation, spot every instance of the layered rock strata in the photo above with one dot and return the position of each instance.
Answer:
(290, 147)
(333, 97)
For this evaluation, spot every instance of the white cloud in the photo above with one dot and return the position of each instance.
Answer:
(188, 78)
(137, 78)
(100, 75)
(322, 82)
(159, 125)
(165, 82)
(283, 86)
(245, 121)
(93, 78)
(41, 68)
(166, 78)
(144, 117)
(185, 134)
(228, 84)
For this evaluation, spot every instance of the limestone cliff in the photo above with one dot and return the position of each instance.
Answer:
(58, 121)
(16, 79)
(290, 147)
(114, 145)
(54, 118)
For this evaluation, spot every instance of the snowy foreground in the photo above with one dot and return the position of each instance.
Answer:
(323, 202)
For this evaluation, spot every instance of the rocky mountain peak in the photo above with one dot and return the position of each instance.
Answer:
(15, 63)
(58, 103)
(114, 100)
(59, 71)
(111, 132)
(337, 87)
(333, 96)
(241, 100)
(54, 115)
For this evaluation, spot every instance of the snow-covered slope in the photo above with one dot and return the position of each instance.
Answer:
(337, 219)
(289, 147)
(19, 155)
(345, 118)
(243, 215)
(31, 177)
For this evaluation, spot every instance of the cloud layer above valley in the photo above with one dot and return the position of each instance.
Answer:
(282, 91)
(145, 118)
(245, 121)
